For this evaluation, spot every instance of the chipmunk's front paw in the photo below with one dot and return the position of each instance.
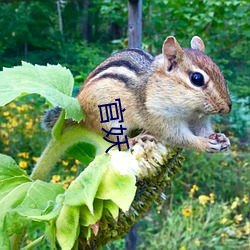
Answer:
(218, 142)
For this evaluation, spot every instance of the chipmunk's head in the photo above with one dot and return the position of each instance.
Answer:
(198, 77)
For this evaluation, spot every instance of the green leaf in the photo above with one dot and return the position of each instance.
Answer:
(46, 216)
(20, 197)
(6, 186)
(118, 188)
(14, 198)
(86, 231)
(83, 152)
(50, 234)
(4, 240)
(67, 226)
(112, 208)
(39, 194)
(9, 168)
(53, 82)
(83, 189)
(87, 218)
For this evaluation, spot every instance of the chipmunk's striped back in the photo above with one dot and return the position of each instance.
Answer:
(124, 66)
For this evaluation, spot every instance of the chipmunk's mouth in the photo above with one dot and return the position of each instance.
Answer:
(224, 108)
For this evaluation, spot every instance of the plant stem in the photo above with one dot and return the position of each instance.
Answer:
(57, 147)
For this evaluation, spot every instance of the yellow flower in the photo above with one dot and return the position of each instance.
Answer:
(238, 218)
(235, 203)
(65, 185)
(4, 134)
(223, 235)
(29, 124)
(183, 248)
(6, 113)
(65, 163)
(234, 152)
(197, 242)
(197, 152)
(70, 178)
(77, 162)
(14, 123)
(73, 168)
(223, 220)
(28, 241)
(12, 105)
(24, 154)
(6, 149)
(35, 159)
(238, 233)
(247, 227)
(193, 190)
(224, 164)
(245, 199)
(23, 164)
(55, 178)
(6, 141)
(211, 195)
(187, 211)
(203, 199)
(238, 159)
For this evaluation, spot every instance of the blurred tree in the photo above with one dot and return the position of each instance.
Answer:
(134, 23)
(30, 31)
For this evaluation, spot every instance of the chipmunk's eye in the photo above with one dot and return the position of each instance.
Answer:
(197, 79)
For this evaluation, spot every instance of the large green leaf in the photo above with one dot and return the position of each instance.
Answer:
(53, 82)
(86, 218)
(21, 199)
(118, 188)
(83, 189)
(67, 226)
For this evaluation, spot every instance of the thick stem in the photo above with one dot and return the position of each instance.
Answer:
(57, 147)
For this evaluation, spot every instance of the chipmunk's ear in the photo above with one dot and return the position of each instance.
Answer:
(171, 49)
(197, 43)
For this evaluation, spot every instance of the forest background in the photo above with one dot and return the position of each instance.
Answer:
(207, 206)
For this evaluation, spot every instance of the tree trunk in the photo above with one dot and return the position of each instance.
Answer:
(85, 20)
(135, 23)
(59, 16)
(131, 238)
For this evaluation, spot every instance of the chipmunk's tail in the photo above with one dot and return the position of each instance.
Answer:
(50, 117)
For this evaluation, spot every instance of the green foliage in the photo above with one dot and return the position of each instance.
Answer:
(19, 198)
(52, 82)
(200, 223)
(223, 25)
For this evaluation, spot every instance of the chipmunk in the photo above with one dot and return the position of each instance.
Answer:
(170, 96)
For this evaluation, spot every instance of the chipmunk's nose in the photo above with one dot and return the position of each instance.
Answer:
(230, 106)
(226, 109)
